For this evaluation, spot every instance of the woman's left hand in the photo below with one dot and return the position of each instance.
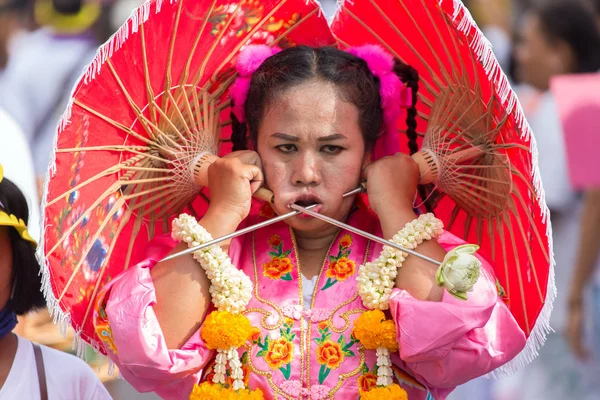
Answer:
(392, 184)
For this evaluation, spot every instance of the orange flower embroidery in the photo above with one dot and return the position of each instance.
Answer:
(346, 241)
(330, 354)
(367, 381)
(275, 241)
(340, 266)
(277, 267)
(280, 353)
(323, 325)
(341, 269)
(266, 211)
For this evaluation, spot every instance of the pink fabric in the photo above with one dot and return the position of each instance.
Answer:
(249, 60)
(441, 344)
(467, 339)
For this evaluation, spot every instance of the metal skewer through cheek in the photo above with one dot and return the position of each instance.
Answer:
(367, 235)
(249, 229)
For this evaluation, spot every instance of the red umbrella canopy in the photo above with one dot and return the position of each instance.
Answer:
(156, 96)
(492, 196)
(152, 99)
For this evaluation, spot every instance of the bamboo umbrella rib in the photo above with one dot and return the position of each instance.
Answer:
(515, 213)
(134, 107)
(417, 25)
(519, 274)
(436, 79)
(168, 77)
(113, 122)
(149, 91)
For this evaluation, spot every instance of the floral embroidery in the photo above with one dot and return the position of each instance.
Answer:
(278, 353)
(280, 266)
(368, 379)
(340, 267)
(266, 211)
(331, 354)
(101, 325)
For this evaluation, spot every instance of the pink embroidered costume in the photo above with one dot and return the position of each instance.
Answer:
(308, 352)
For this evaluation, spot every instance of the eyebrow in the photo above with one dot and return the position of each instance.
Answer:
(291, 138)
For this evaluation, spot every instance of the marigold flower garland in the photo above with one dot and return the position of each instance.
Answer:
(225, 329)
(376, 280)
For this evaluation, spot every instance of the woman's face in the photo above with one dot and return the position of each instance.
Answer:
(6, 263)
(312, 151)
(538, 59)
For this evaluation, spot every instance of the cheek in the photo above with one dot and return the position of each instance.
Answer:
(276, 173)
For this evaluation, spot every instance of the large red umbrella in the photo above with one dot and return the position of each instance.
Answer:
(156, 96)
(488, 189)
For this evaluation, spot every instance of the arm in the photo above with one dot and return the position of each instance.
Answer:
(589, 246)
(450, 342)
(391, 196)
(181, 284)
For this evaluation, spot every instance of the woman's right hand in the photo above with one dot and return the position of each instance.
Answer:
(232, 180)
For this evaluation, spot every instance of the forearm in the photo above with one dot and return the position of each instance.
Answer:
(416, 275)
(589, 244)
(182, 297)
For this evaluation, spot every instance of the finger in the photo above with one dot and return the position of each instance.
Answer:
(250, 158)
(254, 175)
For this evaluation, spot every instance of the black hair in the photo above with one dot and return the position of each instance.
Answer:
(574, 23)
(26, 280)
(349, 73)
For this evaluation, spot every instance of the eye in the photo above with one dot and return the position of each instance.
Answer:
(286, 148)
(331, 149)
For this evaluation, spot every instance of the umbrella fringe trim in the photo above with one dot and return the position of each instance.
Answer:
(484, 52)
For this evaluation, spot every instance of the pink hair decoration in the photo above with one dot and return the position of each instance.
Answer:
(249, 60)
(395, 95)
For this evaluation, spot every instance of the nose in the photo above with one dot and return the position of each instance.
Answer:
(306, 170)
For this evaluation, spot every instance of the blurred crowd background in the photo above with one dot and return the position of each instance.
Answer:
(45, 44)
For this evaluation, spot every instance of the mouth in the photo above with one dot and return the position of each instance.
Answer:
(307, 201)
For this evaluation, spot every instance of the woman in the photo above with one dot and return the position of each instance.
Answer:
(27, 370)
(313, 117)
(557, 39)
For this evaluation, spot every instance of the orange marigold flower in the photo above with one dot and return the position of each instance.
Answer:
(393, 392)
(222, 330)
(210, 391)
(330, 354)
(373, 331)
(277, 267)
(367, 381)
(274, 241)
(280, 353)
(341, 269)
(346, 241)
(323, 325)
